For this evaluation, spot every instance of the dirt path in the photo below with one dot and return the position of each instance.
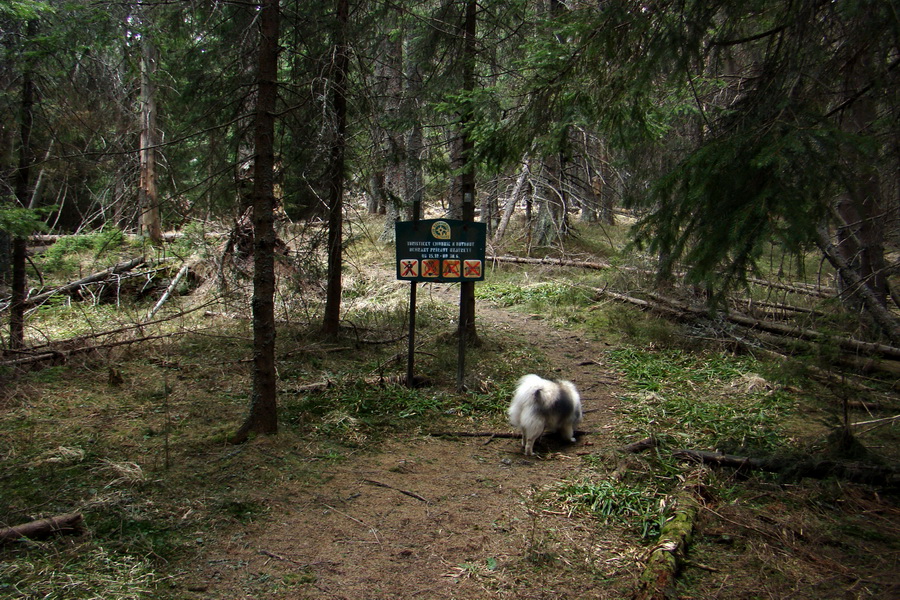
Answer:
(440, 518)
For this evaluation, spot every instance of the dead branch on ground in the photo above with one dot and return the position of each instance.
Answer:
(390, 487)
(640, 445)
(684, 311)
(42, 528)
(105, 274)
(792, 468)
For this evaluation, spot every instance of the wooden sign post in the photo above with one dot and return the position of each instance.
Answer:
(438, 251)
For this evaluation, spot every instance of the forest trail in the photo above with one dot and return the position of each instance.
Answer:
(441, 517)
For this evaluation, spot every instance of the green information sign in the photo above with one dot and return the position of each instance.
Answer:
(440, 250)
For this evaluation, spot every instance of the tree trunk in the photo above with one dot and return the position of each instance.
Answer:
(19, 255)
(552, 220)
(414, 179)
(860, 212)
(148, 197)
(512, 201)
(466, 180)
(263, 415)
(341, 65)
(375, 196)
(875, 308)
(393, 154)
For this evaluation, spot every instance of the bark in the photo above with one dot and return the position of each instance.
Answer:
(19, 244)
(68, 523)
(466, 180)
(341, 66)
(657, 581)
(263, 415)
(148, 196)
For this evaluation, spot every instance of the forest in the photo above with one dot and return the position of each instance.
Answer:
(213, 385)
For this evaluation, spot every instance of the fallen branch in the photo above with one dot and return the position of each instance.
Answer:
(657, 581)
(640, 445)
(65, 354)
(798, 469)
(683, 310)
(181, 273)
(382, 381)
(884, 420)
(551, 261)
(122, 267)
(797, 288)
(390, 487)
(68, 523)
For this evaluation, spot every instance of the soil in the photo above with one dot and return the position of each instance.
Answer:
(440, 517)
(428, 517)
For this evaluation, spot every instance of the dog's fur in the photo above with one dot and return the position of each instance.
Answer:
(542, 406)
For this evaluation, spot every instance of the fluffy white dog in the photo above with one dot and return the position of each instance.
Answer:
(543, 406)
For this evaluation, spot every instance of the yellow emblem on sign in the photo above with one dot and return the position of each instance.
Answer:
(440, 230)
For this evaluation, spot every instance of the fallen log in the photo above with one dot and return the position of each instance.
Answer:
(793, 469)
(475, 434)
(683, 310)
(560, 262)
(657, 580)
(797, 288)
(117, 269)
(72, 523)
(63, 355)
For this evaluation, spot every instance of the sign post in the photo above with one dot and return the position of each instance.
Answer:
(439, 251)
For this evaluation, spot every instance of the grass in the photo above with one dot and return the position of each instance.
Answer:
(639, 508)
(144, 460)
(703, 400)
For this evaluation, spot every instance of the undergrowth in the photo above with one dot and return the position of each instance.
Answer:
(703, 400)
(134, 437)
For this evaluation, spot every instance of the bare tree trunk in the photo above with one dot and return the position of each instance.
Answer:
(375, 197)
(552, 224)
(393, 153)
(467, 178)
(512, 201)
(263, 415)
(414, 179)
(148, 196)
(341, 65)
(873, 304)
(19, 282)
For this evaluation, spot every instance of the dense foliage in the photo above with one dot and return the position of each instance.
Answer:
(726, 126)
